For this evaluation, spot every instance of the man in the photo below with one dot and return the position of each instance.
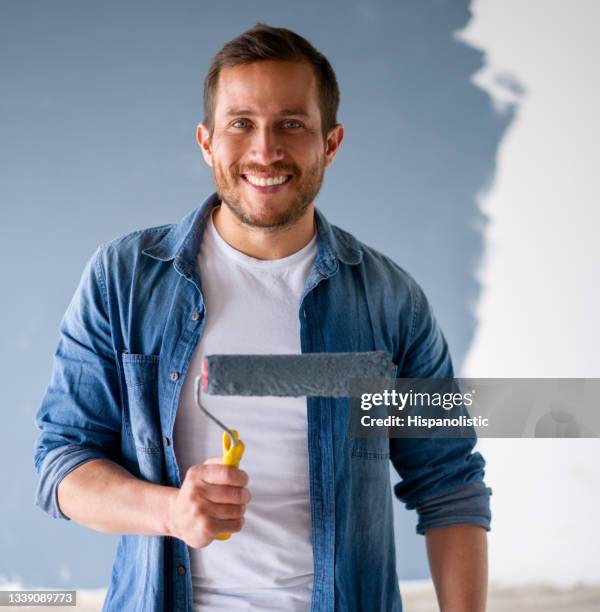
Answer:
(255, 269)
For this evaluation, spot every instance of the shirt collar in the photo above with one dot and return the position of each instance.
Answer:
(182, 242)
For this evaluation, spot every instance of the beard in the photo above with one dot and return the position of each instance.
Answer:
(303, 188)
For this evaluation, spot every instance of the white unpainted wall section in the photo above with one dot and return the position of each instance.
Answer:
(540, 303)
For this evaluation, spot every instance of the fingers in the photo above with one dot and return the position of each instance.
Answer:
(218, 483)
(215, 526)
(224, 511)
(223, 494)
(218, 474)
(211, 501)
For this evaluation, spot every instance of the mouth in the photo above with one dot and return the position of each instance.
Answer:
(267, 182)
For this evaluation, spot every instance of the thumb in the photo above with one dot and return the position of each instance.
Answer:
(214, 461)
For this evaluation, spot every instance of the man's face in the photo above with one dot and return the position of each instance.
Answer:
(267, 149)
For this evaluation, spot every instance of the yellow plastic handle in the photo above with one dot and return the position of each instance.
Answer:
(232, 456)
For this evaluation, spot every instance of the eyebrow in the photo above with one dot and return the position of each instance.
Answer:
(286, 112)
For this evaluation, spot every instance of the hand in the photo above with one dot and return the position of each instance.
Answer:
(212, 500)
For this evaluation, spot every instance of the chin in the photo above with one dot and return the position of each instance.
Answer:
(268, 215)
(267, 218)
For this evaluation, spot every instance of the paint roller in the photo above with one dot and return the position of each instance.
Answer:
(307, 374)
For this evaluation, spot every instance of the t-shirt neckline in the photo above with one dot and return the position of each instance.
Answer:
(306, 252)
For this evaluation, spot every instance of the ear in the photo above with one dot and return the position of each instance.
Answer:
(334, 140)
(203, 140)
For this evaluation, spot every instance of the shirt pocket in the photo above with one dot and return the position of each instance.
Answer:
(375, 447)
(142, 419)
(369, 474)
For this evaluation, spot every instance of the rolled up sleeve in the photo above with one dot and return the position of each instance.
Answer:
(465, 505)
(80, 416)
(442, 478)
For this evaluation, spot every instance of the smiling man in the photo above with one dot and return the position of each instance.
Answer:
(256, 268)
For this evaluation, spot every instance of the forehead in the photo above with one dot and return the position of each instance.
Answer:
(267, 87)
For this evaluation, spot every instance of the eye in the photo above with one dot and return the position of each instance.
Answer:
(291, 123)
(240, 123)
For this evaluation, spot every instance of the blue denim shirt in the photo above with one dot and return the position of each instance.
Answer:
(126, 341)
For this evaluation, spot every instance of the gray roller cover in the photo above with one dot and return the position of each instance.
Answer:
(309, 374)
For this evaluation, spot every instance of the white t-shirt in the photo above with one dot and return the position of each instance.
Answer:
(252, 306)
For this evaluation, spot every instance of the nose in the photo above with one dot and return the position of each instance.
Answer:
(266, 147)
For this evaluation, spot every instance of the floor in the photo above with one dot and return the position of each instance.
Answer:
(419, 597)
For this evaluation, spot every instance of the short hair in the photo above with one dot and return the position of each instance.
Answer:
(263, 42)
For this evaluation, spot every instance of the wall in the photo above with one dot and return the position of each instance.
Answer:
(537, 315)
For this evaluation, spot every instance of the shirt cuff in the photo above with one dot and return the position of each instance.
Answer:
(467, 505)
(57, 463)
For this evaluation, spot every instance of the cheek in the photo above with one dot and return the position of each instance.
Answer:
(227, 150)
(305, 149)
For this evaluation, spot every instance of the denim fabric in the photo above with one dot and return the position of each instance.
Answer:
(134, 321)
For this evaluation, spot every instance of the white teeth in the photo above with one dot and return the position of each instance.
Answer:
(266, 182)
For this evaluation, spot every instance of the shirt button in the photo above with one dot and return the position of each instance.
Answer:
(195, 316)
(181, 570)
(174, 376)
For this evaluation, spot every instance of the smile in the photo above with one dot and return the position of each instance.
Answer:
(266, 181)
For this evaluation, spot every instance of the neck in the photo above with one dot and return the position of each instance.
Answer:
(261, 242)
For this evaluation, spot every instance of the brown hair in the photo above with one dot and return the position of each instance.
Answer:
(263, 42)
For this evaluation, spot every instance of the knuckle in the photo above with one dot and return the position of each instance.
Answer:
(200, 507)
(204, 489)
(194, 496)
(195, 469)
(194, 472)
